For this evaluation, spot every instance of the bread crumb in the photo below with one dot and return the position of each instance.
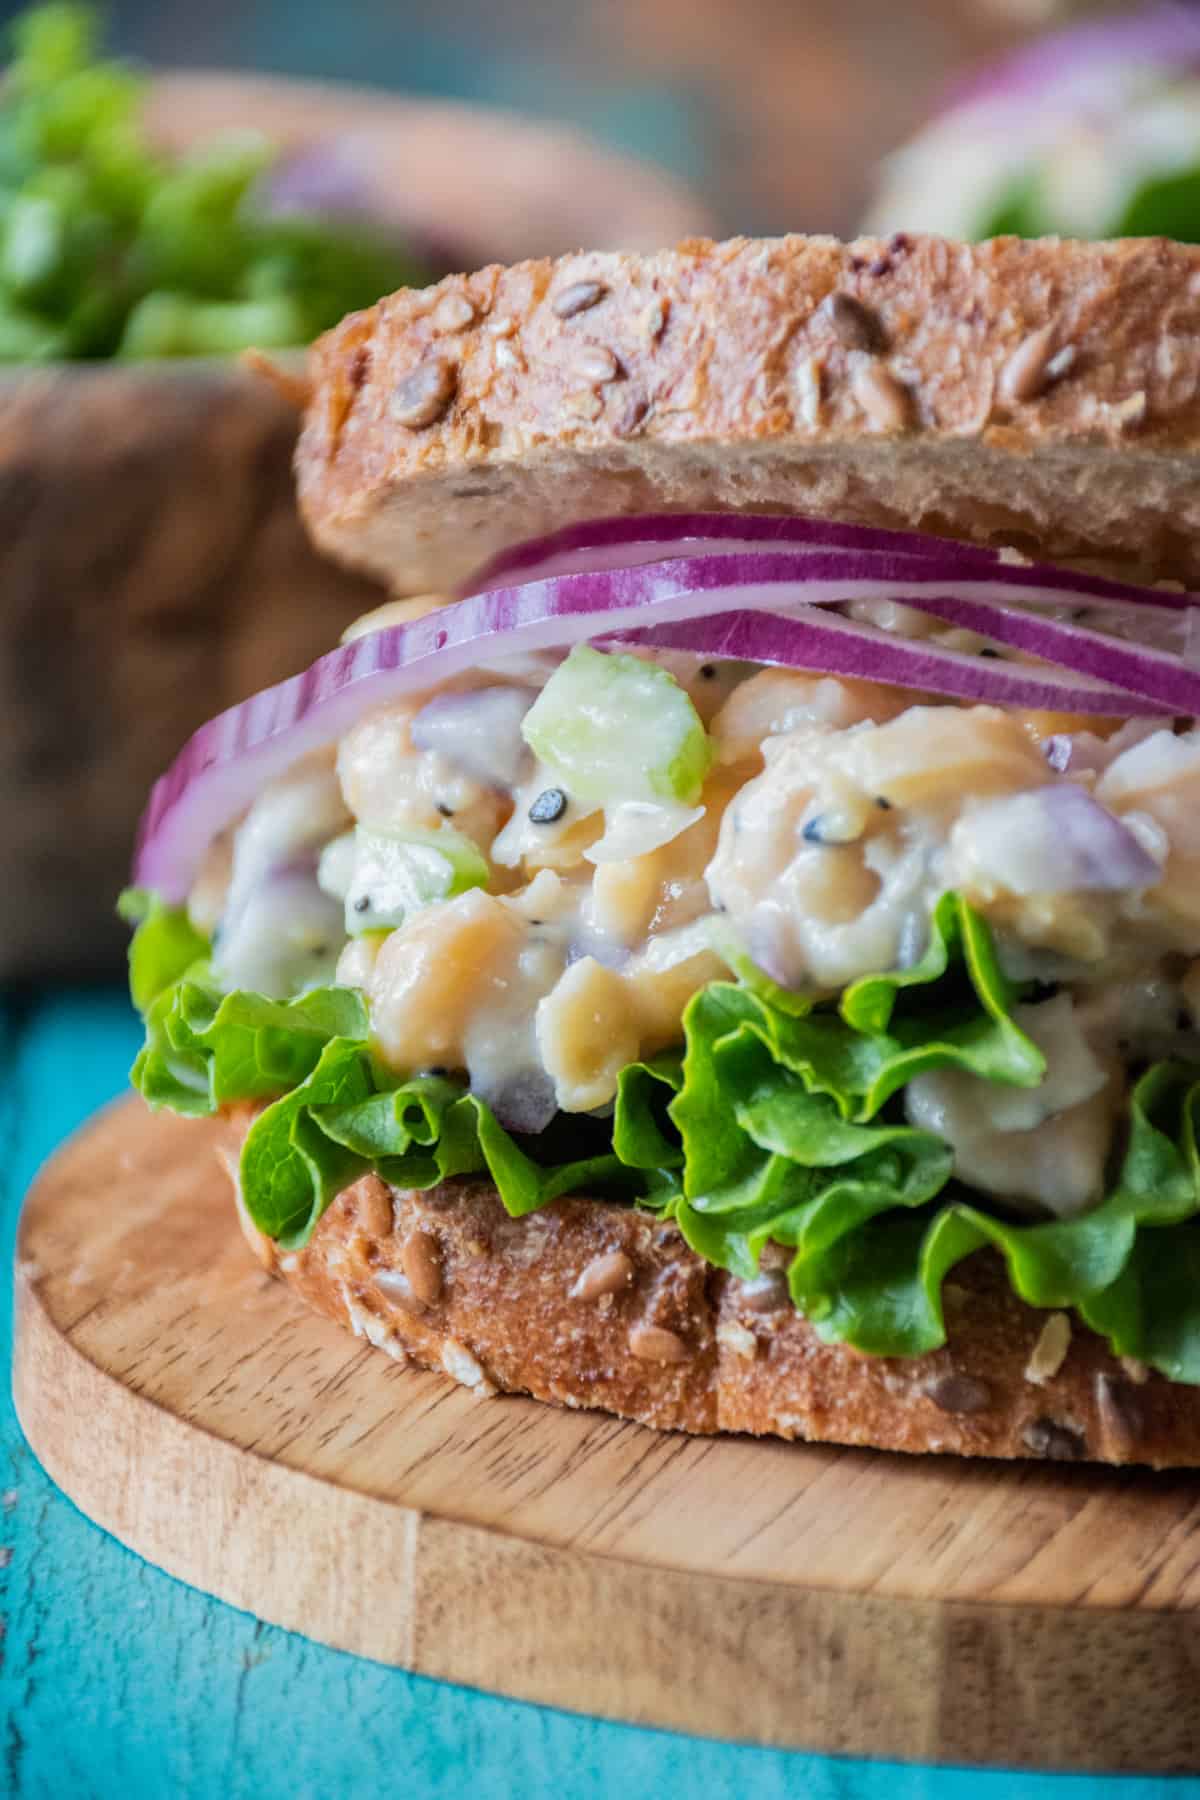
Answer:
(737, 1338)
(462, 1367)
(807, 383)
(378, 1333)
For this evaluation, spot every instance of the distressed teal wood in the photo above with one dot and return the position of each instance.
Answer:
(119, 1683)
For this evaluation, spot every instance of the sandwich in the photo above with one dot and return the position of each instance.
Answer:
(1092, 132)
(722, 945)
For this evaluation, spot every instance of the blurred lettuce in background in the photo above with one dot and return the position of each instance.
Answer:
(108, 248)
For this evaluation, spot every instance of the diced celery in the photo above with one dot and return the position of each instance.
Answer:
(386, 877)
(616, 728)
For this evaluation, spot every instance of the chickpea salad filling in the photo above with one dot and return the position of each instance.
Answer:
(875, 970)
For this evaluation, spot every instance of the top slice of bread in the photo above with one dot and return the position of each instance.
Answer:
(1043, 394)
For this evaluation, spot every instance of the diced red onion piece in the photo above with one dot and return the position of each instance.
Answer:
(1055, 840)
(478, 732)
(769, 946)
(522, 1101)
(284, 935)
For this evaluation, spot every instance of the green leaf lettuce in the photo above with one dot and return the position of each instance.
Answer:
(778, 1121)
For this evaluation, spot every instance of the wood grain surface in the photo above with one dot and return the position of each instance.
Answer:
(755, 1591)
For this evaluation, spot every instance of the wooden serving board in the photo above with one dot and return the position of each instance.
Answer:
(788, 1594)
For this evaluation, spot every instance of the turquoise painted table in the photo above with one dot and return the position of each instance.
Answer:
(117, 1683)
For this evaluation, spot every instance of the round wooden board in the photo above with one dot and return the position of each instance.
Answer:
(787, 1594)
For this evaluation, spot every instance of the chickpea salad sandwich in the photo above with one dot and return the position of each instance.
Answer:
(727, 951)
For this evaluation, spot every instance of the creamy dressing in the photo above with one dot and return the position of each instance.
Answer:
(1043, 1147)
(834, 815)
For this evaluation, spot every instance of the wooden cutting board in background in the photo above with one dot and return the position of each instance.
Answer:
(785, 1594)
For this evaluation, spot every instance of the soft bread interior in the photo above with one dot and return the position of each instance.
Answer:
(1132, 515)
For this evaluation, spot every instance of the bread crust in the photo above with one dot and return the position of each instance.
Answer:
(588, 1303)
(1043, 393)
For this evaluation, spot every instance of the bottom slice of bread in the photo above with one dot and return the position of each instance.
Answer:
(587, 1303)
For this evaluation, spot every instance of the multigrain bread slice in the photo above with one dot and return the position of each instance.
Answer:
(592, 1304)
(973, 390)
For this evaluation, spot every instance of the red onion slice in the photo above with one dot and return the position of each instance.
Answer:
(1116, 661)
(855, 551)
(628, 538)
(831, 645)
(717, 606)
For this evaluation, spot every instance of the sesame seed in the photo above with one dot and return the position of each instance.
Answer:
(653, 1343)
(807, 383)
(1061, 363)
(577, 298)
(453, 312)
(1026, 374)
(953, 1393)
(550, 805)
(422, 396)
(654, 320)
(854, 324)
(1130, 411)
(633, 417)
(605, 1274)
(886, 402)
(596, 363)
